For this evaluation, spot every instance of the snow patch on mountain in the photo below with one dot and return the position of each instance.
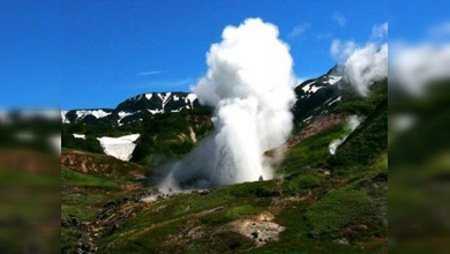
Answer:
(333, 79)
(314, 89)
(122, 115)
(148, 96)
(64, 117)
(99, 113)
(326, 80)
(306, 87)
(335, 100)
(119, 147)
(79, 136)
(155, 111)
(191, 97)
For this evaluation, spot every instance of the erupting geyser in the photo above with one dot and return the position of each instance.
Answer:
(250, 84)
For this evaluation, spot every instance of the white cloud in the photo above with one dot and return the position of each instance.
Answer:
(380, 31)
(342, 50)
(298, 30)
(323, 36)
(413, 67)
(147, 73)
(442, 30)
(168, 83)
(339, 19)
(366, 65)
(363, 65)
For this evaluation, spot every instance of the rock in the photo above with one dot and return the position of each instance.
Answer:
(265, 216)
(324, 171)
(342, 241)
(361, 227)
(259, 231)
(71, 221)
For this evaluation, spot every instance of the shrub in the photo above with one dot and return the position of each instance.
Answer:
(258, 189)
(301, 182)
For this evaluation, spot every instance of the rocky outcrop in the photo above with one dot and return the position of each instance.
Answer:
(260, 229)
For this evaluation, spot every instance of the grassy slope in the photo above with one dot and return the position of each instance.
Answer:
(312, 152)
(28, 210)
(101, 165)
(84, 196)
(166, 137)
(327, 208)
(73, 178)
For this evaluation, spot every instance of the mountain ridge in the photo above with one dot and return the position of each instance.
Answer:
(140, 104)
(310, 94)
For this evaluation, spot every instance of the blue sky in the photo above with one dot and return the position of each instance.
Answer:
(412, 20)
(86, 54)
(29, 54)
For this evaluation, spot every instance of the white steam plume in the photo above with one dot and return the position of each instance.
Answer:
(352, 123)
(249, 82)
(415, 66)
(363, 65)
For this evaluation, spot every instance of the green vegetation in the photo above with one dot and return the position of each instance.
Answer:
(92, 132)
(12, 177)
(337, 209)
(418, 177)
(28, 203)
(73, 178)
(82, 206)
(169, 136)
(366, 142)
(257, 189)
(312, 152)
(152, 227)
(231, 214)
(91, 144)
(101, 165)
(302, 181)
(364, 106)
(369, 140)
(326, 203)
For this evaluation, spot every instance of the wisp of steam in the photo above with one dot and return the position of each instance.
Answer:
(364, 65)
(250, 84)
(352, 122)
